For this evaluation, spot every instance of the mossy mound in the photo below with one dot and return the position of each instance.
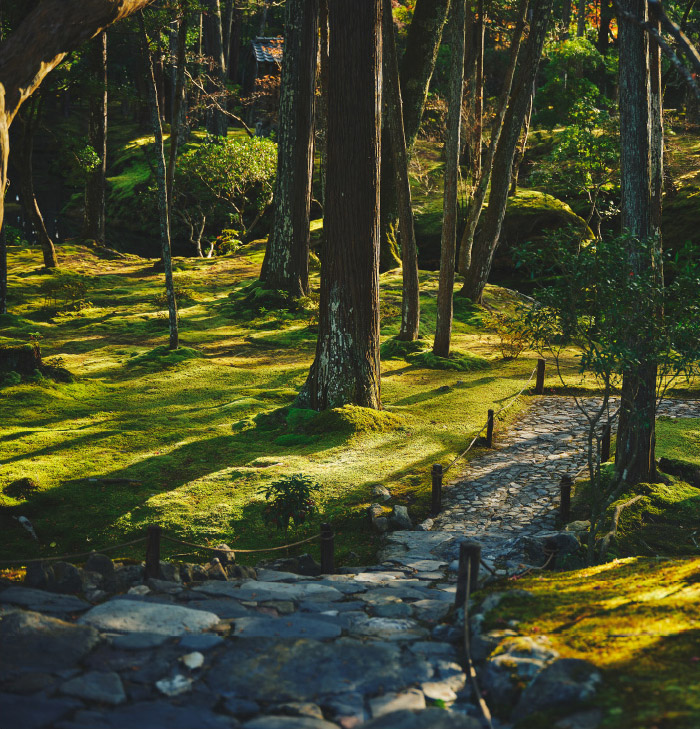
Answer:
(356, 419)
(163, 357)
(22, 488)
(398, 349)
(458, 360)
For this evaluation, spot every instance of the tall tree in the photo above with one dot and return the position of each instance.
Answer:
(416, 70)
(286, 263)
(217, 122)
(486, 241)
(410, 301)
(640, 183)
(96, 184)
(178, 105)
(443, 327)
(163, 209)
(346, 367)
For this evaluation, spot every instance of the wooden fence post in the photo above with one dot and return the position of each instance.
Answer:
(437, 488)
(539, 383)
(152, 552)
(469, 552)
(605, 444)
(489, 430)
(565, 504)
(327, 546)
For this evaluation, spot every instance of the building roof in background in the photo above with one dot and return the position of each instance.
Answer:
(268, 50)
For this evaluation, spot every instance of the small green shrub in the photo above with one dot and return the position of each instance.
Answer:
(289, 499)
(513, 334)
(66, 289)
(182, 294)
(398, 349)
(460, 361)
(163, 357)
(9, 379)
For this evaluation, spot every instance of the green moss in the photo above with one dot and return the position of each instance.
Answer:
(398, 349)
(355, 419)
(458, 360)
(162, 357)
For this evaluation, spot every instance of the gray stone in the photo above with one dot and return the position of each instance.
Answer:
(169, 572)
(104, 566)
(288, 722)
(347, 709)
(297, 708)
(164, 715)
(566, 682)
(163, 586)
(399, 518)
(388, 628)
(96, 686)
(381, 492)
(431, 611)
(127, 576)
(138, 641)
(304, 670)
(380, 524)
(225, 555)
(264, 591)
(374, 511)
(130, 616)
(395, 609)
(386, 703)
(241, 572)
(29, 683)
(200, 641)
(41, 601)
(31, 639)
(291, 626)
(33, 712)
(225, 607)
(427, 719)
(215, 570)
(578, 527)
(536, 549)
(241, 708)
(590, 719)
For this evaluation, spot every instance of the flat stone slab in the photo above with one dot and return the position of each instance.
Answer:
(42, 601)
(130, 616)
(155, 715)
(31, 712)
(104, 687)
(288, 722)
(264, 591)
(303, 670)
(386, 703)
(425, 719)
(30, 639)
(290, 626)
(388, 628)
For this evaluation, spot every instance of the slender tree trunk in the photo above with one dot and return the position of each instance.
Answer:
(566, 18)
(26, 174)
(522, 145)
(322, 106)
(162, 187)
(234, 49)
(4, 152)
(443, 327)
(581, 18)
(218, 123)
(286, 263)
(3, 271)
(606, 16)
(410, 303)
(178, 104)
(479, 196)
(486, 242)
(416, 70)
(641, 166)
(95, 186)
(474, 90)
(346, 367)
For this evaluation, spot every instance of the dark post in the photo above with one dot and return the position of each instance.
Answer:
(437, 488)
(565, 504)
(469, 552)
(605, 444)
(327, 539)
(539, 384)
(152, 552)
(489, 430)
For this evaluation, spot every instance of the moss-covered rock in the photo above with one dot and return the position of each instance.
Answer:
(355, 419)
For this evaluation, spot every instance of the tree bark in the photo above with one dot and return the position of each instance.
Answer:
(40, 43)
(581, 18)
(217, 123)
(486, 242)
(606, 16)
(95, 184)
(346, 367)
(178, 103)
(479, 196)
(3, 271)
(162, 187)
(566, 17)
(286, 263)
(410, 302)
(416, 70)
(26, 180)
(443, 327)
(640, 185)
(522, 146)
(321, 120)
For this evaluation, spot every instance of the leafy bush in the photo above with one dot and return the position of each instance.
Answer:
(513, 334)
(289, 499)
(67, 289)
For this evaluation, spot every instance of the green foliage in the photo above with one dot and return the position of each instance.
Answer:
(14, 236)
(352, 419)
(67, 289)
(9, 379)
(182, 294)
(458, 360)
(289, 499)
(162, 357)
(399, 349)
(512, 332)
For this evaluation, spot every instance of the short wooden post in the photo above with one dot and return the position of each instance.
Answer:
(152, 552)
(489, 430)
(605, 444)
(437, 488)
(327, 547)
(539, 383)
(469, 552)
(565, 504)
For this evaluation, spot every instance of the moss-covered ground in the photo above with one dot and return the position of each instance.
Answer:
(186, 438)
(637, 619)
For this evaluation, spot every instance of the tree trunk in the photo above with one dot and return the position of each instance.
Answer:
(321, 120)
(346, 367)
(486, 242)
(581, 18)
(234, 46)
(178, 104)
(217, 123)
(640, 184)
(443, 327)
(26, 181)
(3, 271)
(416, 70)
(95, 185)
(286, 263)
(410, 302)
(606, 16)
(522, 145)
(477, 201)
(162, 187)
(566, 17)
(474, 93)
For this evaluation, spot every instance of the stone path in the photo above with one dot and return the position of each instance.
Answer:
(373, 646)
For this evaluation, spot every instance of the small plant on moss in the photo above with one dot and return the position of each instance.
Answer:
(69, 289)
(512, 332)
(289, 499)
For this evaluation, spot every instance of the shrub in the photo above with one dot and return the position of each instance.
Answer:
(68, 289)
(512, 334)
(289, 499)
